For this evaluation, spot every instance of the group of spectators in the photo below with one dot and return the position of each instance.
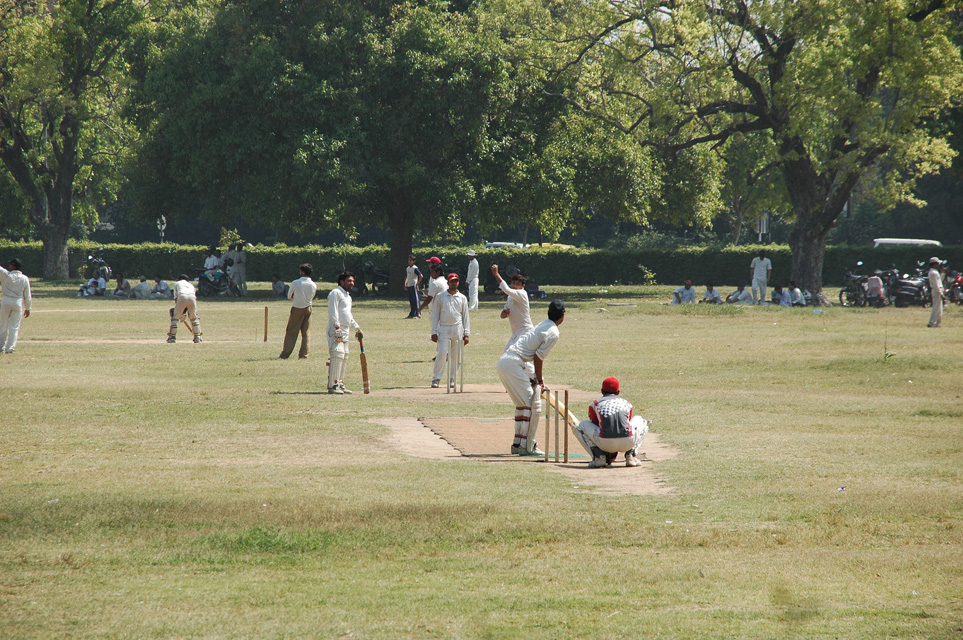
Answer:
(760, 273)
(97, 286)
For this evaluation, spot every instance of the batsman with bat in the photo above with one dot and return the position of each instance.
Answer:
(185, 302)
(531, 347)
(339, 321)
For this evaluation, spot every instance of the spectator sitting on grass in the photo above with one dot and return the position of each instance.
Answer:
(711, 296)
(684, 294)
(278, 287)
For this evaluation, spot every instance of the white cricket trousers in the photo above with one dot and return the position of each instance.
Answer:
(189, 306)
(338, 358)
(445, 333)
(936, 315)
(11, 313)
(515, 378)
(473, 294)
(759, 283)
(587, 433)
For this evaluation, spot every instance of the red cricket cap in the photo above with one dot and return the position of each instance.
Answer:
(610, 385)
(433, 260)
(453, 276)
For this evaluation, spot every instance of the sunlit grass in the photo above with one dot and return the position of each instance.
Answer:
(154, 490)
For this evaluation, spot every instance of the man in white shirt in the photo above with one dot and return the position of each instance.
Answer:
(15, 304)
(684, 294)
(185, 301)
(525, 392)
(436, 285)
(141, 290)
(413, 278)
(161, 290)
(797, 299)
(739, 296)
(472, 278)
(340, 320)
(301, 293)
(711, 296)
(781, 297)
(516, 309)
(238, 271)
(96, 286)
(451, 322)
(936, 292)
(760, 270)
(122, 290)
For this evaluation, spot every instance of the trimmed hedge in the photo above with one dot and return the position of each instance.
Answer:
(549, 266)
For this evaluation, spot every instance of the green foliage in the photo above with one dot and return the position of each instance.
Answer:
(548, 266)
(229, 237)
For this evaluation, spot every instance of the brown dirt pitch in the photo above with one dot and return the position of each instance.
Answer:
(489, 439)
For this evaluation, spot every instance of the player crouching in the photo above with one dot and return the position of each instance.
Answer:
(611, 428)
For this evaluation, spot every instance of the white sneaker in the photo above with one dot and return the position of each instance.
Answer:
(345, 389)
(598, 462)
(517, 450)
(632, 460)
(197, 339)
(335, 391)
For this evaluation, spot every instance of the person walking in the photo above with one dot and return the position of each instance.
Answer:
(413, 277)
(451, 322)
(936, 292)
(472, 278)
(301, 293)
(534, 346)
(611, 428)
(340, 320)
(760, 270)
(185, 301)
(15, 304)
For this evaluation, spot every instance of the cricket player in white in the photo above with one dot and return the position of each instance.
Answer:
(611, 428)
(472, 278)
(185, 301)
(936, 292)
(14, 305)
(533, 346)
(759, 271)
(339, 320)
(516, 310)
(451, 322)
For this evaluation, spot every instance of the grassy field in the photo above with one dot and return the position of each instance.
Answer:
(150, 490)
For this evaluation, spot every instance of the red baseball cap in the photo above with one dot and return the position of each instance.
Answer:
(453, 276)
(610, 385)
(433, 260)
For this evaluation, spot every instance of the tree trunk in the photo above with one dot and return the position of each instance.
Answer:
(402, 226)
(808, 249)
(55, 263)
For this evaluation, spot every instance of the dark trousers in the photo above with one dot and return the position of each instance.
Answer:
(414, 300)
(298, 322)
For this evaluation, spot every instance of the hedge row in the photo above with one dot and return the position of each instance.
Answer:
(549, 266)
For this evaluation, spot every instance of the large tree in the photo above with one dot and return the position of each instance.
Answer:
(62, 85)
(840, 88)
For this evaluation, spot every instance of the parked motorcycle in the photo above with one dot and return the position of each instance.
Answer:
(913, 290)
(853, 293)
(953, 287)
(377, 280)
(215, 283)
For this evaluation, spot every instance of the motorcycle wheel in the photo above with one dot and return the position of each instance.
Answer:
(843, 298)
(379, 288)
(233, 289)
(206, 289)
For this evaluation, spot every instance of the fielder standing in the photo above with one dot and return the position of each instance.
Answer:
(185, 301)
(526, 392)
(936, 292)
(760, 269)
(472, 278)
(14, 304)
(413, 278)
(301, 294)
(339, 321)
(611, 428)
(450, 323)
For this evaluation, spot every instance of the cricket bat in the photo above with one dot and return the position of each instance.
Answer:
(364, 368)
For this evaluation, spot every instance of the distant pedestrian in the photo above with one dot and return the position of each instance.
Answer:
(15, 304)
(413, 277)
(760, 270)
(472, 278)
(301, 293)
(936, 292)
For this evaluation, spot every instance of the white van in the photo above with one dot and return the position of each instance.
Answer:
(899, 242)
